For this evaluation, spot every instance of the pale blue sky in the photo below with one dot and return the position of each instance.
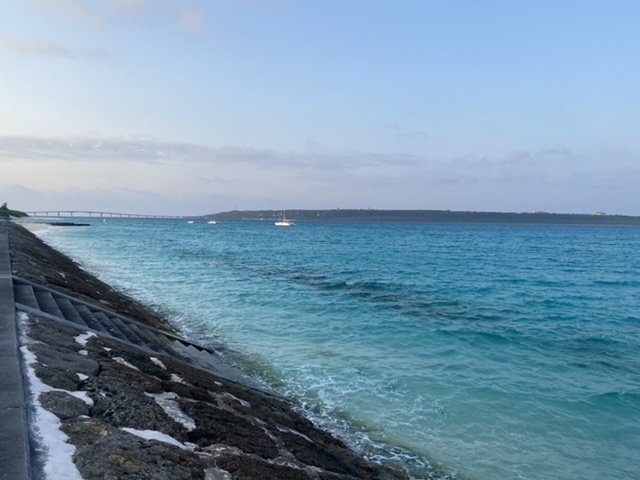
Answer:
(194, 106)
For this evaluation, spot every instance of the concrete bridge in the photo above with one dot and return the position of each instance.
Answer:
(94, 214)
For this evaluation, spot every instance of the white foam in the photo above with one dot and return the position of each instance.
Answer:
(122, 361)
(38, 229)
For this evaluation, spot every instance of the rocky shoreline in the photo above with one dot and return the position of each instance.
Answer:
(126, 413)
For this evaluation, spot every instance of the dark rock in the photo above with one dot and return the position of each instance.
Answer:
(327, 458)
(215, 426)
(107, 453)
(130, 376)
(187, 391)
(58, 334)
(122, 405)
(68, 224)
(60, 366)
(63, 405)
(243, 468)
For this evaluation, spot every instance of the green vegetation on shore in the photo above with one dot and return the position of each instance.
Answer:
(427, 216)
(5, 212)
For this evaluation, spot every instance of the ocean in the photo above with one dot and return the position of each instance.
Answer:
(457, 351)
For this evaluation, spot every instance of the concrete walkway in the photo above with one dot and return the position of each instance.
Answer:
(14, 438)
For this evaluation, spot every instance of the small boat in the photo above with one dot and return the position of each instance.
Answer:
(212, 222)
(190, 221)
(284, 222)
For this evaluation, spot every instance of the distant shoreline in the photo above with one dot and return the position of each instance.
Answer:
(426, 216)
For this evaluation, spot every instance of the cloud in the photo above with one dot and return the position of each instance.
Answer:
(558, 151)
(404, 134)
(128, 6)
(133, 170)
(187, 17)
(78, 11)
(232, 163)
(312, 146)
(149, 150)
(522, 160)
(82, 149)
(191, 20)
(50, 49)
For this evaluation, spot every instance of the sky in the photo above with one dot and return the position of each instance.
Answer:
(188, 107)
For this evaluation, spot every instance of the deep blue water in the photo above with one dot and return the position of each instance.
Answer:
(495, 351)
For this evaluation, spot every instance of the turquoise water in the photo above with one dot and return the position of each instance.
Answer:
(489, 351)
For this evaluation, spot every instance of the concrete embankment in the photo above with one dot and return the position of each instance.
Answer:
(112, 385)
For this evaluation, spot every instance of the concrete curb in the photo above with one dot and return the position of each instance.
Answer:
(15, 460)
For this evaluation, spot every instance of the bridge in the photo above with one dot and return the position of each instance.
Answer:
(94, 214)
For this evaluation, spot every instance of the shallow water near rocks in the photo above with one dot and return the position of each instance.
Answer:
(495, 351)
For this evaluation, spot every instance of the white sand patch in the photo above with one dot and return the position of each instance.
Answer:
(172, 408)
(295, 432)
(155, 435)
(177, 379)
(158, 362)
(244, 403)
(107, 349)
(83, 352)
(57, 453)
(83, 338)
(81, 376)
(122, 361)
(84, 396)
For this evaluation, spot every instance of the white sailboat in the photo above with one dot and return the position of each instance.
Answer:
(284, 222)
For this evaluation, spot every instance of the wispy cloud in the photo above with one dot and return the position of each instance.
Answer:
(149, 150)
(234, 164)
(51, 49)
(185, 15)
(80, 11)
(191, 20)
(405, 134)
(138, 170)
(128, 6)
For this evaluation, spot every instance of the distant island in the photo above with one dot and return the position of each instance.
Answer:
(425, 216)
(398, 216)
